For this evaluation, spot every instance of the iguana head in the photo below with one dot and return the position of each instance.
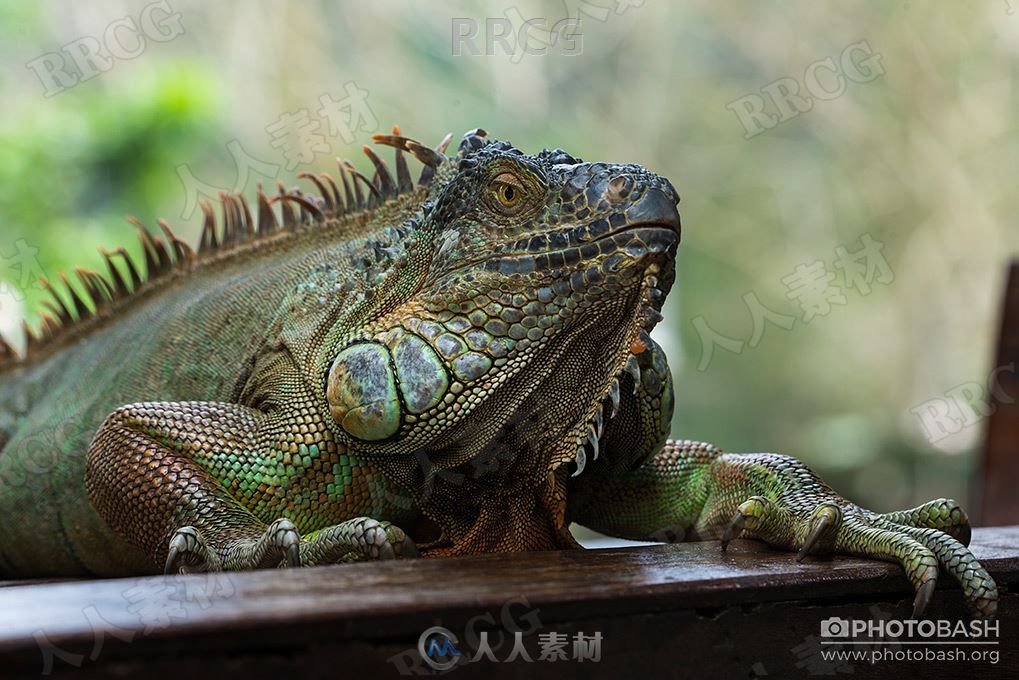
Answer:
(524, 289)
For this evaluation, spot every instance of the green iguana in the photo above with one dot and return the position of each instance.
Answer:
(385, 368)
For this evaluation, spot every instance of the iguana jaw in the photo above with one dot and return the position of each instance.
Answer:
(634, 340)
(657, 235)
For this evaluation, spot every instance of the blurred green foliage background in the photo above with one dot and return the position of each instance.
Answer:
(922, 157)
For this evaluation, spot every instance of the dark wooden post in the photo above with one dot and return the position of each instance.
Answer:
(998, 479)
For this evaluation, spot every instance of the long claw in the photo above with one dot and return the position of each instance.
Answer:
(408, 548)
(386, 551)
(187, 550)
(171, 562)
(819, 527)
(294, 555)
(964, 534)
(923, 597)
(735, 525)
(826, 521)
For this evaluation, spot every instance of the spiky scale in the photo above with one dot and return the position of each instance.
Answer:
(403, 180)
(51, 326)
(231, 227)
(652, 316)
(80, 308)
(7, 352)
(96, 288)
(246, 221)
(289, 218)
(60, 309)
(164, 255)
(325, 193)
(182, 250)
(210, 239)
(136, 279)
(580, 459)
(338, 204)
(119, 286)
(614, 396)
(32, 341)
(428, 172)
(430, 158)
(376, 195)
(352, 194)
(267, 223)
(309, 211)
(633, 369)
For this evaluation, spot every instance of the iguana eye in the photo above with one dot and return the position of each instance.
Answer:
(508, 191)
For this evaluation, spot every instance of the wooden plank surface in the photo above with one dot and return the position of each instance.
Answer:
(998, 479)
(369, 613)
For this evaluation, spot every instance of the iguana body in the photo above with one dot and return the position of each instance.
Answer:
(452, 367)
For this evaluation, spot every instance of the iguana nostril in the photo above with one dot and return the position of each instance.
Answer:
(671, 190)
(618, 188)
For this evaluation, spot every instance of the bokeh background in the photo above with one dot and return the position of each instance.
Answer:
(920, 156)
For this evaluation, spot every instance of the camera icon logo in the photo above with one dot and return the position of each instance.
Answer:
(834, 627)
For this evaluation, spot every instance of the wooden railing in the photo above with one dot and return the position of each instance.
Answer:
(660, 611)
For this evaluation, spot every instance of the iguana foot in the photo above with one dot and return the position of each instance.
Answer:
(361, 538)
(189, 552)
(922, 539)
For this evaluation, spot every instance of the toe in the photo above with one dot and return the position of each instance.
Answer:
(748, 516)
(187, 551)
(824, 526)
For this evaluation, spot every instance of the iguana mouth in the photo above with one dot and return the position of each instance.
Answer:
(635, 240)
(658, 237)
(656, 233)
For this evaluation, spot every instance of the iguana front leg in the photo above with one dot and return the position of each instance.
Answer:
(194, 483)
(644, 489)
(693, 490)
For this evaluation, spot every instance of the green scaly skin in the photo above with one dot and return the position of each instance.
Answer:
(454, 366)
